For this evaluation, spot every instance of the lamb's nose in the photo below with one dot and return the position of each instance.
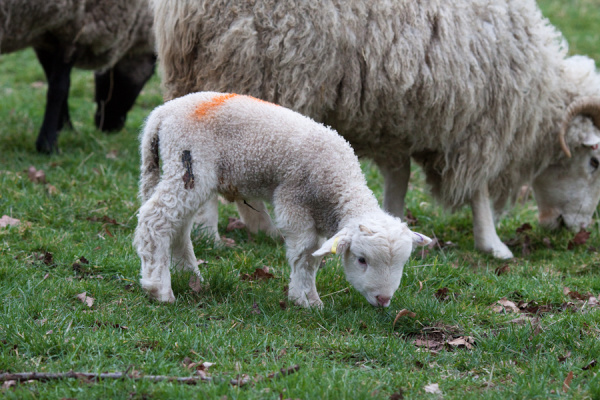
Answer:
(383, 301)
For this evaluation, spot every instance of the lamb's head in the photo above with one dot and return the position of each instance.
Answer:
(374, 250)
(568, 192)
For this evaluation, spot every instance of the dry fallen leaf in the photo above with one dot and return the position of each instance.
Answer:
(464, 341)
(112, 155)
(8, 221)
(258, 274)
(195, 283)
(89, 301)
(52, 190)
(579, 239)
(504, 269)
(524, 227)
(567, 382)
(402, 313)
(227, 242)
(433, 388)
(442, 294)
(505, 306)
(591, 365)
(36, 176)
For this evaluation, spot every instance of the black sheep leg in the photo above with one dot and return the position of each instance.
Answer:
(58, 72)
(117, 89)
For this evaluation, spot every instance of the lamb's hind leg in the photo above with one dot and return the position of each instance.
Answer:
(161, 222)
(256, 217)
(183, 249)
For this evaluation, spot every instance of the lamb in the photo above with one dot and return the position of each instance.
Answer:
(112, 37)
(246, 149)
(479, 93)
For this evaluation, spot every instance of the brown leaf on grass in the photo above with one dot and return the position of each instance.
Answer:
(112, 155)
(52, 190)
(36, 176)
(235, 223)
(463, 341)
(85, 299)
(562, 359)
(258, 274)
(442, 294)
(567, 382)
(255, 309)
(8, 221)
(409, 218)
(579, 239)
(399, 395)
(432, 388)
(506, 306)
(504, 269)
(590, 365)
(433, 345)
(46, 257)
(77, 265)
(547, 243)
(282, 304)
(402, 313)
(576, 295)
(9, 384)
(524, 227)
(195, 283)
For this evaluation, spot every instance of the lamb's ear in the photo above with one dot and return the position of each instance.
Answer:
(419, 239)
(335, 245)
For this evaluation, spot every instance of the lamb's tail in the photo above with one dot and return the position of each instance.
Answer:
(150, 168)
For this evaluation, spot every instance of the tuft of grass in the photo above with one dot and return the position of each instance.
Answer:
(347, 350)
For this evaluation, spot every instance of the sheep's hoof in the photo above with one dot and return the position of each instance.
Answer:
(499, 250)
(305, 302)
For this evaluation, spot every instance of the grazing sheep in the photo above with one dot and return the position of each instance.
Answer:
(246, 149)
(478, 92)
(112, 37)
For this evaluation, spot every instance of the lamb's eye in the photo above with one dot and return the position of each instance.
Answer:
(594, 163)
(362, 261)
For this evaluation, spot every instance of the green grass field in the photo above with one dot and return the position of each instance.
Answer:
(348, 350)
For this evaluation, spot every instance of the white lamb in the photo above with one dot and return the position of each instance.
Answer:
(246, 149)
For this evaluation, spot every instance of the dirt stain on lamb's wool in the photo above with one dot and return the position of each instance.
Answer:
(188, 177)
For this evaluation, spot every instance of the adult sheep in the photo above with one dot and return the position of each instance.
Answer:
(112, 37)
(479, 92)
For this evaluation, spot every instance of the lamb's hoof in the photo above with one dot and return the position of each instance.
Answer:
(305, 302)
(499, 250)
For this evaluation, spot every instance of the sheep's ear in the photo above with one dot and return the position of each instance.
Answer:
(335, 245)
(419, 239)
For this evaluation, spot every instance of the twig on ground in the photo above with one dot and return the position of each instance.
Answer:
(190, 380)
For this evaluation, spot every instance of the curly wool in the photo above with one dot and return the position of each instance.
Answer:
(474, 90)
(98, 33)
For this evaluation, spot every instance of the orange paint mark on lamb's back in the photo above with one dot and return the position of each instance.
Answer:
(206, 107)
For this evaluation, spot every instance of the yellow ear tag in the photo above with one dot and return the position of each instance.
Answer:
(334, 246)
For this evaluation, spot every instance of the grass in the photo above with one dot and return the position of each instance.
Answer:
(348, 350)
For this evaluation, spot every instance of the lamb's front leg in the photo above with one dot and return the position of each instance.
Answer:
(302, 288)
(484, 231)
(153, 244)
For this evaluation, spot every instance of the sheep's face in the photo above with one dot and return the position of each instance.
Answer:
(568, 192)
(373, 253)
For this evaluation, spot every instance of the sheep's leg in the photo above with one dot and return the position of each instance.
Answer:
(56, 98)
(484, 232)
(183, 250)
(255, 216)
(161, 222)
(117, 89)
(47, 59)
(207, 218)
(301, 241)
(395, 180)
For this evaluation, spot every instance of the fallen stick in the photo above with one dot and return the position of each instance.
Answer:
(190, 380)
